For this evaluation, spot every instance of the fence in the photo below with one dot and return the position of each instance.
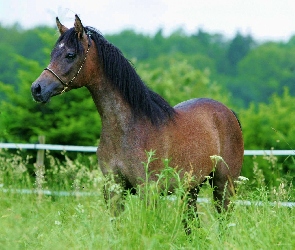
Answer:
(200, 199)
(93, 149)
(42, 147)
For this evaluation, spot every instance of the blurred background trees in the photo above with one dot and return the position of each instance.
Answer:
(254, 78)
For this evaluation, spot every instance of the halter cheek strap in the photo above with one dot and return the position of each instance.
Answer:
(66, 84)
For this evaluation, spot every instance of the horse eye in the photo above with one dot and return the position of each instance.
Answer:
(71, 56)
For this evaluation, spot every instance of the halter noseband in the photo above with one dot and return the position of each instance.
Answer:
(66, 84)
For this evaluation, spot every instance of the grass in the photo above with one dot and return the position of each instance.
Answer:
(149, 221)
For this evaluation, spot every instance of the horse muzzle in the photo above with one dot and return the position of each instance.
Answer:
(42, 91)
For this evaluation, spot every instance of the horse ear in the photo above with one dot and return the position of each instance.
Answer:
(62, 29)
(79, 27)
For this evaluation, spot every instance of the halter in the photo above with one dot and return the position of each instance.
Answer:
(66, 84)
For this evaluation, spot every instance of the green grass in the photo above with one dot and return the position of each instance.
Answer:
(32, 221)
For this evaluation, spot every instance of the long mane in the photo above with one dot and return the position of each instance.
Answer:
(121, 73)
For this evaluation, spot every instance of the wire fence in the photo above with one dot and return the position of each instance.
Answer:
(81, 194)
(48, 147)
(93, 149)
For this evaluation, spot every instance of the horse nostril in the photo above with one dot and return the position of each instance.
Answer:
(37, 89)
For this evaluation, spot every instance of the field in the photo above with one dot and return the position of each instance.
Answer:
(149, 221)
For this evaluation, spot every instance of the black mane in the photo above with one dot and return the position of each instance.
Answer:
(121, 73)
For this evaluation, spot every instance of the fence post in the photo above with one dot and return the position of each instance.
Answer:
(40, 152)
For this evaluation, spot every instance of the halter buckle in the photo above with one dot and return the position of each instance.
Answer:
(64, 90)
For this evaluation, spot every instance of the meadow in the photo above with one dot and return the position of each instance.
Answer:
(149, 221)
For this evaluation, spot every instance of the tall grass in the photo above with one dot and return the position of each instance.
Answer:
(149, 220)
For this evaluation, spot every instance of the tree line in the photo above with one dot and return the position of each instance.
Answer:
(256, 79)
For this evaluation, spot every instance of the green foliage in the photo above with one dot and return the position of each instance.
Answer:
(8, 66)
(266, 70)
(32, 44)
(132, 44)
(238, 49)
(180, 81)
(270, 126)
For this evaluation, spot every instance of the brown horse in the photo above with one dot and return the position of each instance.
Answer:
(136, 119)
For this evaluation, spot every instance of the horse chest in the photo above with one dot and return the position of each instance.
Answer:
(122, 156)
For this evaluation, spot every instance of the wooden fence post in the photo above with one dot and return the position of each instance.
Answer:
(40, 152)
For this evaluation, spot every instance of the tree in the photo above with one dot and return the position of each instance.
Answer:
(8, 65)
(238, 49)
(266, 70)
(133, 45)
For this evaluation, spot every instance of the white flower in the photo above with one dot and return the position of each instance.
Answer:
(231, 224)
(57, 222)
(80, 208)
(243, 178)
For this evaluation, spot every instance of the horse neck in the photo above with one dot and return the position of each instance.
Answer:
(115, 113)
(110, 105)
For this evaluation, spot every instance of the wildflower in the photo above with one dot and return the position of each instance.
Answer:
(231, 224)
(80, 208)
(243, 178)
(57, 222)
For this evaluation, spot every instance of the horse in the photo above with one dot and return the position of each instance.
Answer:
(135, 119)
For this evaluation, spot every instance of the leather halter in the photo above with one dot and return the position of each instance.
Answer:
(67, 84)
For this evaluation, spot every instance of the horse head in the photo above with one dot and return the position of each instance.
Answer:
(66, 69)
